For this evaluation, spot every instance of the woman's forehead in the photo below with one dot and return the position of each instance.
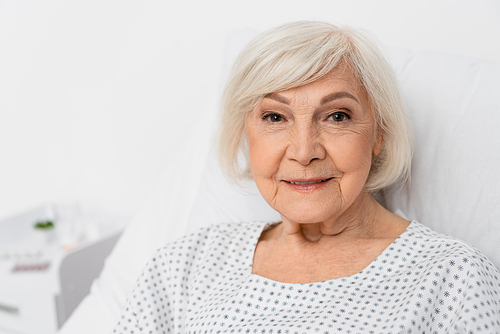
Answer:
(336, 84)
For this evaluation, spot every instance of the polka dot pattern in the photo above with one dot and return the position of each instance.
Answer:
(423, 282)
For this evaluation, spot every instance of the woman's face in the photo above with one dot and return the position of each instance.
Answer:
(311, 147)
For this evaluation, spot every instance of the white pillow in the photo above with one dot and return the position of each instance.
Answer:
(454, 104)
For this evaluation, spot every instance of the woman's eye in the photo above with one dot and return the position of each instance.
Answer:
(273, 118)
(339, 117)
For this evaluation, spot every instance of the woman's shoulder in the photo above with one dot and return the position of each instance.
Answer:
(214, 246)
(424, 236)
(444, 251)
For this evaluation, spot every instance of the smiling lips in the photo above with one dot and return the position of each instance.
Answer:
(306, 186)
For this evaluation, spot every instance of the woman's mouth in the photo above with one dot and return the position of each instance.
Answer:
(305, 186)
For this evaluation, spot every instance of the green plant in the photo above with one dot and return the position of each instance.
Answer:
(44, 225)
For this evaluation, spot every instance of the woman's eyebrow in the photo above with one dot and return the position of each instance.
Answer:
(277, 97)
(338, 95)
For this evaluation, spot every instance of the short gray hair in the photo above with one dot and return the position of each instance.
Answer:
(299, 53)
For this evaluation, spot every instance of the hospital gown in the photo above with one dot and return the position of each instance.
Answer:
(424, 282)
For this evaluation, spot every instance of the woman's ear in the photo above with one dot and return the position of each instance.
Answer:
(379, 143)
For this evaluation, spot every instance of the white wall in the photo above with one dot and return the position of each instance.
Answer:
(90, 91)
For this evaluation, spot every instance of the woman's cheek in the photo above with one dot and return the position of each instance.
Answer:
(350, 152)
(264, 156)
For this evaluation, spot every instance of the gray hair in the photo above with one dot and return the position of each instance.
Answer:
(299, 53)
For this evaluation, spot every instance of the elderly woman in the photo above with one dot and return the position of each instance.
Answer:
(313, 113)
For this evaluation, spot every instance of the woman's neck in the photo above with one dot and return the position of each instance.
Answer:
(305, 253)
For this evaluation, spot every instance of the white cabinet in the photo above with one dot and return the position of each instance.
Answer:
(43, 277)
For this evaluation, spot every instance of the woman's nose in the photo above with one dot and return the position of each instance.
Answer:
(305, 145)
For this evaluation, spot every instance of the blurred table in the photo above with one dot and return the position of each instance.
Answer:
(44, 274)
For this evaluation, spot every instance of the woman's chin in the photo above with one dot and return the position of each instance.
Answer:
(305, 214)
